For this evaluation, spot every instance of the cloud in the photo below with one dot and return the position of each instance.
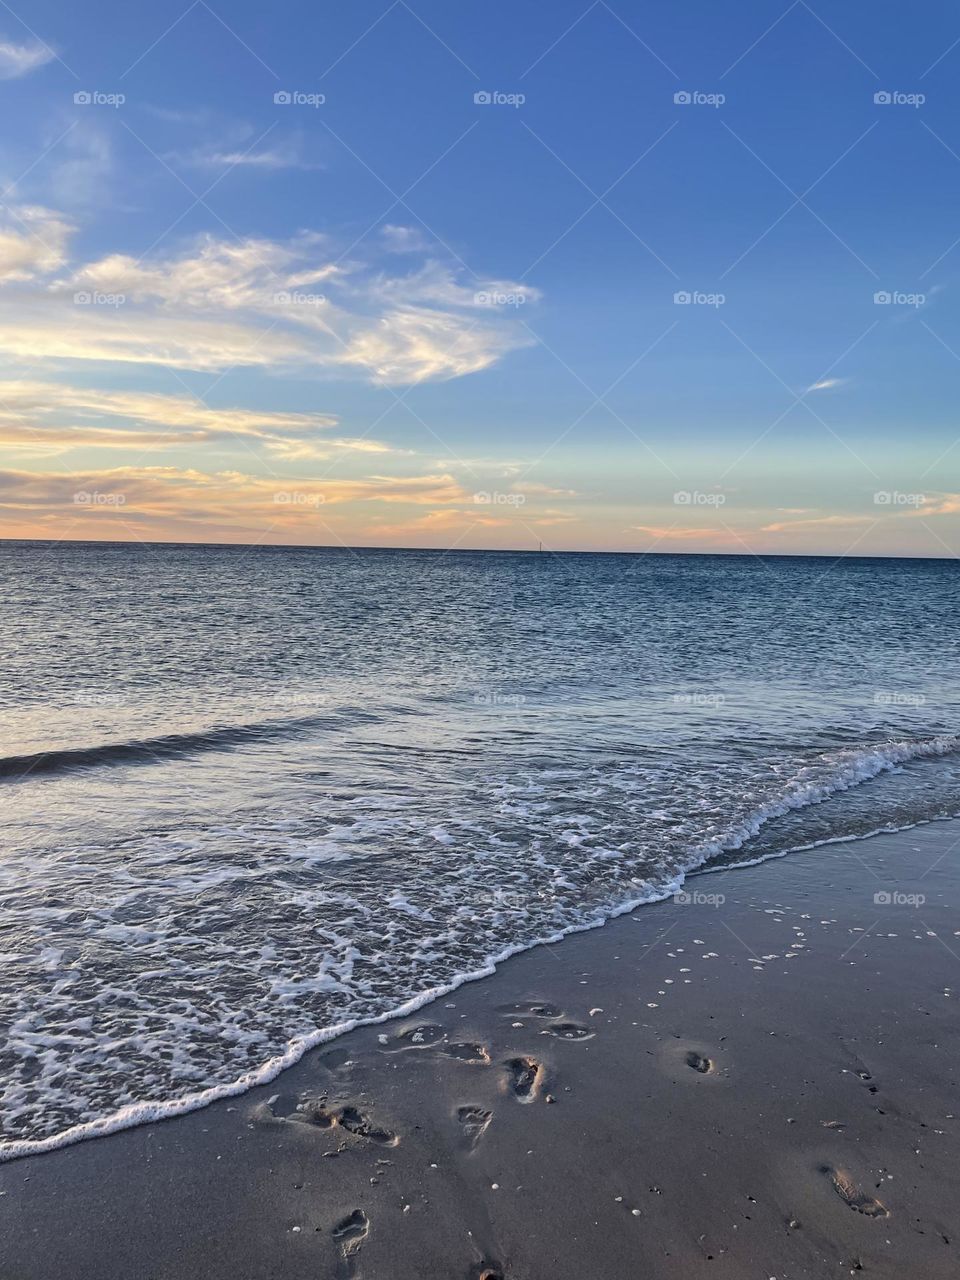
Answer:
(784, 526)
(251, 303)
(53, 417)
(444, 521)
(532, 489)
(402, 239)
(32, 242)
(55, 328)
(919, 507)
(435, 284)
(826, 384)
(20, 59)
(676, 533)
(946, 504)
(177, 499)
(416, 345)
(284, 156)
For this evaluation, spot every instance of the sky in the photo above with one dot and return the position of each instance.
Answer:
(601, 276)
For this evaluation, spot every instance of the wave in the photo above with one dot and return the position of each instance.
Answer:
(840, 771)
(164, 747)
(829, 774)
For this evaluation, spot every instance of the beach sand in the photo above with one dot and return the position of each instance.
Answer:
(763, 1087)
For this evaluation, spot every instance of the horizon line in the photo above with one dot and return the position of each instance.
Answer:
(502, 551)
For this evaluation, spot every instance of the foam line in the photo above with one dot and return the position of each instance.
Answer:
(854, 767)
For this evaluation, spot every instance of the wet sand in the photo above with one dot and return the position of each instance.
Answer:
(760, 1087)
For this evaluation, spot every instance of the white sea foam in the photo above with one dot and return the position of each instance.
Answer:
(427, 923)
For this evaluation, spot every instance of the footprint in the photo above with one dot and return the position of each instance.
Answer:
(568, 1031)
(529, 1009)
(356, 1123)
(526, 1076)
(421, 1036)
(850, 1194)
(465, 1051)
(350, 1233)
(698, 1062)
(315, 1113)
(282, 1105)
(475, 1121)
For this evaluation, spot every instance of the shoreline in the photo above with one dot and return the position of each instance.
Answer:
(722, 1084)
(141, 1113)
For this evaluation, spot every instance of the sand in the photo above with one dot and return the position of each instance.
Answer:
(760, 1087)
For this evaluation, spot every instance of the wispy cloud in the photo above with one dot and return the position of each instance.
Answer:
(677, 533)
(20, 59)
(816, 522)
(46, 417)
(33, 243)
(827, 384)
(399, 239)
(286, 155)
(75, 503)
(254, 303)
(541, 490)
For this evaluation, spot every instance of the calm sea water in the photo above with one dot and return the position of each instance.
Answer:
(253, 796)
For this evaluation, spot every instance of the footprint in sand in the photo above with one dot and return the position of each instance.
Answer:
(319, 1115)
(315, 1113)
(699, 1062)
(465, 1051)
(350, 1233)
(851, 1195)
(530, 1009)
(356, 1122)
(475, 1122)
(281, 1105)
(525, 1077)
(421, 1036)
(568, 1031)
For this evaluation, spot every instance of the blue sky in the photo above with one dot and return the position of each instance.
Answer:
(401, 315)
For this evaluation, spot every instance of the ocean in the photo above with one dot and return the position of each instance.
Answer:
(252, 797)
